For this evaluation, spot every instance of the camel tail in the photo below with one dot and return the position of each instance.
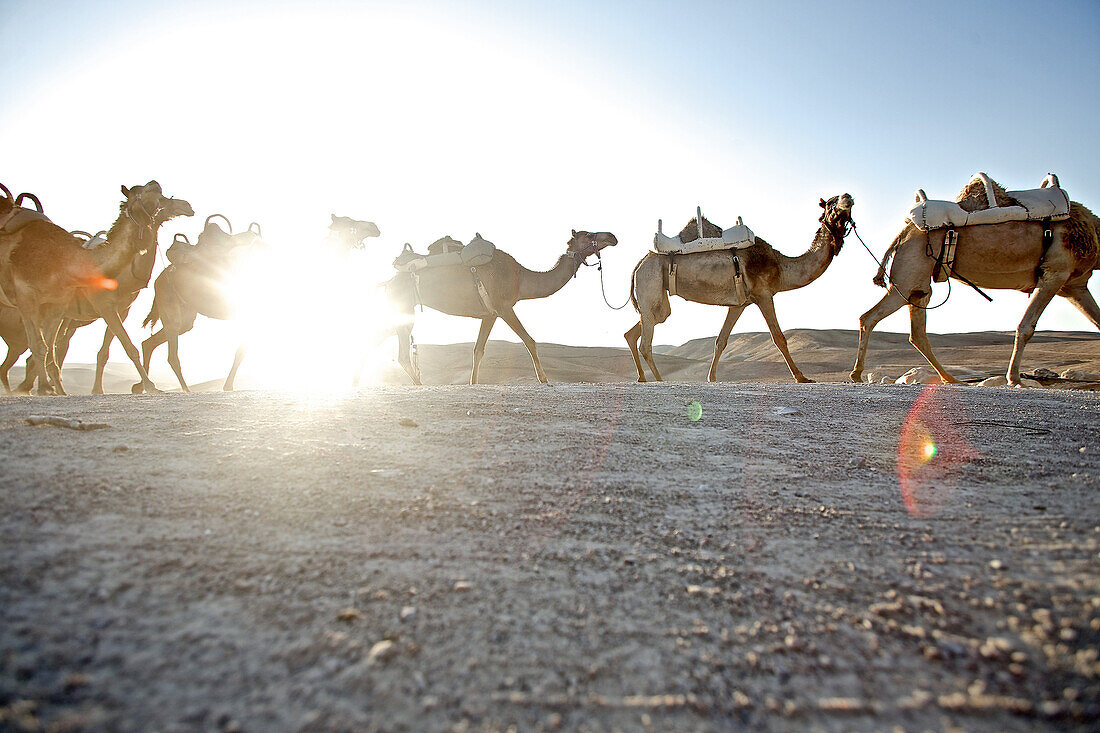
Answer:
(880, 276)
(154, 315)
(634, 287)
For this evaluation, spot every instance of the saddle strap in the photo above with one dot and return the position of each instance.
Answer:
(671, 274)
(482, 292)
(739, 288)
(945, 262)
(1048, 239)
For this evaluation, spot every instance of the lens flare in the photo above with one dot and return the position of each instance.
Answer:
(932, 451)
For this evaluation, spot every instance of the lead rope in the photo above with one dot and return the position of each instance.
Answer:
(890, 283)
(603, 291)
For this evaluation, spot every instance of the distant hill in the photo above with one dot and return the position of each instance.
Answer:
(824, 355)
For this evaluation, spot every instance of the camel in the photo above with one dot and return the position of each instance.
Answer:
(182, 292)
(708, 278)
(131, 281)
(51, 277)
(452, 289)
(1007, 256)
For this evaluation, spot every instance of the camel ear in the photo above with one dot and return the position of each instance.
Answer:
(333, 218)
(126, 192)
(574, 232)
(477, 235)
(822, 203)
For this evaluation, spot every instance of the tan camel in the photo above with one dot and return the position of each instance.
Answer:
(453, 290)
(197, 286)
(131, 281)
(1006, 256)
(51, 277)
(708, 278)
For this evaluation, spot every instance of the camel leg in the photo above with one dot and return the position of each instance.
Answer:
(723, 338)
(632, 337)
(174, 360)
(148, 346)
(237, 359)
(1040, 299)
(53, 366)
(37, 343)
(404, 353)
(114, 323)
(867, 322)
(479, 345)
(509, 317)
(767, 308)
(101, 361)
(9, 362)
(645, 347)
(30, 373)
(918, 336)
(1082, 300)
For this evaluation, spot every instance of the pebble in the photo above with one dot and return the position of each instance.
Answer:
(383, 651)
(408, 613)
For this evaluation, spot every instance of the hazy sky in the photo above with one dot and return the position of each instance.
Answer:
(524, 120)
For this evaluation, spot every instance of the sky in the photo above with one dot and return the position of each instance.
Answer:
(524, 120)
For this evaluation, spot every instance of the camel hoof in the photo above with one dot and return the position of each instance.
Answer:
(805, 380)
(137, 388)
(856, 377)
(97, 390)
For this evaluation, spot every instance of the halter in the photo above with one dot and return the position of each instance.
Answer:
(845, 228)
(584, 254)
(128, 210)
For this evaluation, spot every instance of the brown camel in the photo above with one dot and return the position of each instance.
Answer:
(49, 276)
(197, 285)
(452, 289)
(1006, 256)
(708, 277)
(130, 281)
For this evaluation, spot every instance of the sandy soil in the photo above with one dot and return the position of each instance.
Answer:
(574, 556)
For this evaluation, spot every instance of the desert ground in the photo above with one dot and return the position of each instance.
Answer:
(681, 556)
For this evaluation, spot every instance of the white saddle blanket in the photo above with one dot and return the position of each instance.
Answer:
(736, 237)
(1048, 202)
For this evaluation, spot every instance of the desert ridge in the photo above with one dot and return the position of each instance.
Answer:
(750, 357)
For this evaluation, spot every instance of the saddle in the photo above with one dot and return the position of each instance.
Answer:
(1045, 204)
(476, 253)
(14, 216)
(736, 237)
(1049, 201)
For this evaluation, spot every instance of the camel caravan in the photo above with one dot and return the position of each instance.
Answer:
(53, 281)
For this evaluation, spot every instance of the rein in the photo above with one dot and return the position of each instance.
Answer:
(584, 254)
(890, 282)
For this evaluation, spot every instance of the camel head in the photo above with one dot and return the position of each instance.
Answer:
(352, 231)
(584, 244)
(148, 206)
(837, 218)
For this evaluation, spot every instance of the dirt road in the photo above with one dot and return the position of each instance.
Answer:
(577, 557)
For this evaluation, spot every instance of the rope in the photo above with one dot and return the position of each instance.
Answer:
(603, 291)
(890, 282)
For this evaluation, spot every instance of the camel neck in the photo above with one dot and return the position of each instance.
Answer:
(124, 240)
(534, 284)
(800, 271)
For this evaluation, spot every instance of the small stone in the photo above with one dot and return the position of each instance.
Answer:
(382, 652)
(408, 613)
(997, 564)
(407, 423)
(461, 586)
(349, 614)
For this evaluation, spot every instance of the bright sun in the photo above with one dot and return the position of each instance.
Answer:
(310, 325)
